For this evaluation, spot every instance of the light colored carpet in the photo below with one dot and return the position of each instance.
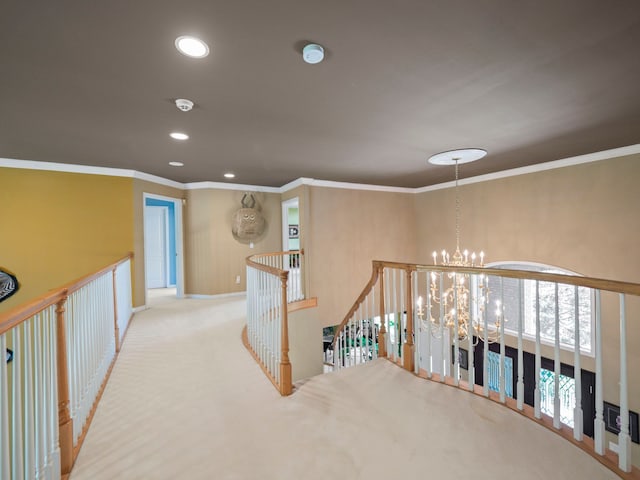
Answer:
(186, 401)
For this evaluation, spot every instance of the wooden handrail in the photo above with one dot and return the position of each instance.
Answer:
(20, 313)
(589, 282)
(251, 261)
(365, 291)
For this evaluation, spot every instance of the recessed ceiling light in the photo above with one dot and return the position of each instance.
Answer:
(179, 136)
(313, 53)
(229, 175)
(176, 164)
(192, 47)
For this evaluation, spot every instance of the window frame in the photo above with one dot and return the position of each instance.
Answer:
(545, 268)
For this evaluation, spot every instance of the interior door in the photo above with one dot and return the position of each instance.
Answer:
(155, 245)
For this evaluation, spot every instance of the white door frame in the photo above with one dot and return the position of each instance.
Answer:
(286, 205)
(177, 204)
(166, 260)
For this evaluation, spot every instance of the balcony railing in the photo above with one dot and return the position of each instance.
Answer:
(388, 320)
(64, 344)
(274, 280)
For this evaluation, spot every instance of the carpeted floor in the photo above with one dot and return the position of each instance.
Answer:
(186, 401)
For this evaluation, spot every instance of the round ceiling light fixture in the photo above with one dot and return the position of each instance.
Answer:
(313, 53)
(184, 105)
(179, 136)
(229, 175)
(192, 47)
(463, 155)
(176, 164)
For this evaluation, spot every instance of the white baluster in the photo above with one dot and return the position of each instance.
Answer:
(374, 338)
(556, 363)
(536, 391)
(444, 354)
(456, 339)
(501, 369)
(396, 341)
(427, 331)
(5, 457)
(577, 368)
(27, 406)
(624, 440)
(417, 327)
(485, 354)
(520, 382)
(17, 429)
(473, 313)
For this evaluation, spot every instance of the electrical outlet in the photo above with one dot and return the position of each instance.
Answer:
(237, 279)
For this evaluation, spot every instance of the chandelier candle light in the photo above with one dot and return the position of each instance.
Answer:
(455, 301)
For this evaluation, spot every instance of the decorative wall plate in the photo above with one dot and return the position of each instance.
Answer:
(8, 285)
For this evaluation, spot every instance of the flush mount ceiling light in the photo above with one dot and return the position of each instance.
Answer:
(229, 175)
(464, 155)
(179, 136)
(176, 164)
(313, 53)
(192, 47)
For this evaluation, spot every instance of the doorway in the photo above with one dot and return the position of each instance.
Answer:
(163, 247)
(290, 225)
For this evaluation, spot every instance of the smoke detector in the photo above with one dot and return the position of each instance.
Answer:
(184, 105)
(313, 53)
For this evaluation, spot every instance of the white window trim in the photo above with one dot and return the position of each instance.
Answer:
(541, 267)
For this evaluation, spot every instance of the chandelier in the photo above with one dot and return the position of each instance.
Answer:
(449, 293)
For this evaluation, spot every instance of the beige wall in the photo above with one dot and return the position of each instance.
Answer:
(141, 187)
(345, 231)
(583, 218)
(57, 227)
(213, 257)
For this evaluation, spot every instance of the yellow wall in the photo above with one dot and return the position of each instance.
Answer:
(213, 256)
(56, 227)
(583, 218)
(345, 231)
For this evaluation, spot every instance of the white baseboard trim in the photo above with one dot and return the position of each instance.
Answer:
(220, 295)
(140, 308)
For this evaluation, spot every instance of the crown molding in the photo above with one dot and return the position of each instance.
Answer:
(346, 185)
(540, 167)
(229, 186)
(66, 168)
(147, 177)
(120, 172)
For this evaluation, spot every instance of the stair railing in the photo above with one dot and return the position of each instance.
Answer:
(62, 345)
(274, 280)
(385, 321)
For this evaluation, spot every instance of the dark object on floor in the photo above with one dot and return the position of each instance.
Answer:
(8, 285)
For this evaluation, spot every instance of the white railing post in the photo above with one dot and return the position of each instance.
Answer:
(556, 362)
(520, 382)
(624, 439)
(577, 370)
(536, 391)
(598, 424)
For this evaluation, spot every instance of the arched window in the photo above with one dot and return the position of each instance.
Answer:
(510, 290)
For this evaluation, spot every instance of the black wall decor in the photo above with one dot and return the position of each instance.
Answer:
(611, 415)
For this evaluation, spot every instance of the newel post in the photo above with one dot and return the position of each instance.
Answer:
(382, 343)
(115, 310)
(64, 416)
(285, 366)
(408, 348)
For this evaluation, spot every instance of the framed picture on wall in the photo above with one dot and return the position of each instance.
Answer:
(293, 231)
(612, 421)
(463, 357)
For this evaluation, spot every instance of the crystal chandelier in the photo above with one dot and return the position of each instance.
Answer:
(449, 293)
